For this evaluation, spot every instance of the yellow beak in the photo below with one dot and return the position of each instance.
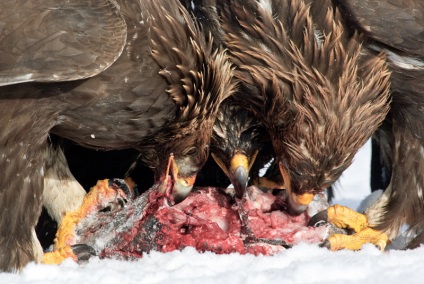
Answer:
(297, 203)
(238, 172)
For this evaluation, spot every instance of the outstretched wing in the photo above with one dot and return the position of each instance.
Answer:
(57, 40)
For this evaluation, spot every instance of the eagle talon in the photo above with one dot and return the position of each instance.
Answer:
(58, 255)
(357, 240)
(318, 219)
(105, 196)
(346, 218)
(78, 252)
(83, 252)
(342, 217)
(325, 244)
(127, 185)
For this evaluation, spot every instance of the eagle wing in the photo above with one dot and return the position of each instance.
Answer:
(141, 88)
(399, 24)
(57, 40)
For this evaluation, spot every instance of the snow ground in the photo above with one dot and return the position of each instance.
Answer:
(300, 264)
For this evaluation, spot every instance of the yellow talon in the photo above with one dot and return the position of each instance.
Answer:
(98, 196)
(58, 255)
(344, 217)
(356, 241)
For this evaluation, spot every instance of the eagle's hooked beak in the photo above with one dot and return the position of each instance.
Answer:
(238, 172)
(182, 185)
(297, 203)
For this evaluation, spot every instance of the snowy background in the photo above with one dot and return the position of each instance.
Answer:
(300, 264)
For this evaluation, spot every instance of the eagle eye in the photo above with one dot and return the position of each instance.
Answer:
(191, 152)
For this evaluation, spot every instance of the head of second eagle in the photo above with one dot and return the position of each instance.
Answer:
(238, 142)
(317, 91)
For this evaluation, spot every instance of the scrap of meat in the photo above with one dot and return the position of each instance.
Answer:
(208, 220)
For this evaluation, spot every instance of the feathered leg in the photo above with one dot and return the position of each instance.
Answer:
(62, 192)
(23, 141)
(403, 201)
(380, 172)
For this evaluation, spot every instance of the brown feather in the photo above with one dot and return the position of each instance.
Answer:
(401, 137)
(320, 94)
(160, 95)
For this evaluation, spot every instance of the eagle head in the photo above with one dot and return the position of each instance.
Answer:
(317, 90)
(236, 140)
(199, 79)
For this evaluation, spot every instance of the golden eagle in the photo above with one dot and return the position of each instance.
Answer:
(317, 90)
(106, 75)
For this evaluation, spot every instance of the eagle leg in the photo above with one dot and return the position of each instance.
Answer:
(21, 185)
(106, 195)
(346, 218)
(62, 192)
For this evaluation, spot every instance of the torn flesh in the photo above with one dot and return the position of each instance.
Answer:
(208, 220)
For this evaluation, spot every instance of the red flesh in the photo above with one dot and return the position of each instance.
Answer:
(207, 220)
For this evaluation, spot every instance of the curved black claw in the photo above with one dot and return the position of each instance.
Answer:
(112, 207)
(325, 244)
(120, 183)
(83, 252)
(319, 219)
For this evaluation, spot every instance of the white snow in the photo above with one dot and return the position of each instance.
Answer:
(301, 264)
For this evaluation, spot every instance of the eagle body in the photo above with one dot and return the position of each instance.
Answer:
(106, 75)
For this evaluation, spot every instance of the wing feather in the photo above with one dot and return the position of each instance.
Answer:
(48, 41)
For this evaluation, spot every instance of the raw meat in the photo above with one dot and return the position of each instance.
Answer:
(209, 220)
